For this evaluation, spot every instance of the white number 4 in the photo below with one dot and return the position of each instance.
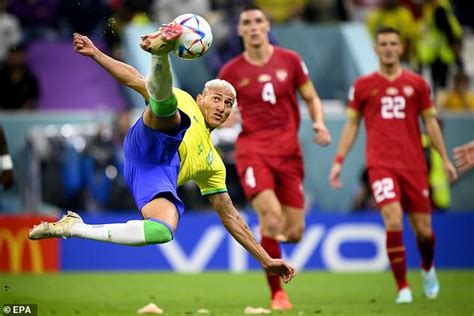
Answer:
(383, 189)
(393, 107)
(268, 93)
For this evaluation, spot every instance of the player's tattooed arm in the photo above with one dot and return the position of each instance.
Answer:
(236, 225)
(239, 229)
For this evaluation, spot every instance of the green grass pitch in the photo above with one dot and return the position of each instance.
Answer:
(312, 293)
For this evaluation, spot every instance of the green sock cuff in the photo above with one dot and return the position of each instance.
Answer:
(164, 108)
(157, 232)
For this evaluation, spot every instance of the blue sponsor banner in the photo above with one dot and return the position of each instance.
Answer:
(335, 242)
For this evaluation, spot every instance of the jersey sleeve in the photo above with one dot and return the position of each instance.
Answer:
(214, 181)
(424, 98)
(301, 71)
(354, 98)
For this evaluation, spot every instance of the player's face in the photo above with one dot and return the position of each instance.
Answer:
(388, 48)
(253, 27)
(215, 104)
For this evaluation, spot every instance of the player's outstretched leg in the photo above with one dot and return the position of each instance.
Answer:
(430, 283)
(59, 229)
(161, 41)
(132, 233)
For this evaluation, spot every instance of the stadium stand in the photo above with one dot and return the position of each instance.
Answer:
(71, 82)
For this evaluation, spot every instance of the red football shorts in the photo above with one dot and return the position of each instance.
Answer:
(408, 187)
(284, 175)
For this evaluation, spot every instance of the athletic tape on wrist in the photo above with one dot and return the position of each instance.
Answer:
(164, 108)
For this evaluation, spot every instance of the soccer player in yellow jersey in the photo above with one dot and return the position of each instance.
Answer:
(169, 145)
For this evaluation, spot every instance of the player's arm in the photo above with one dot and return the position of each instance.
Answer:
(124, 73)
(434, 132)
(349, 135)
(239, 229)
(315, 109)
(6, 164)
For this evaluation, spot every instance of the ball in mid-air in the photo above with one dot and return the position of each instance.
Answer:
(196, 37)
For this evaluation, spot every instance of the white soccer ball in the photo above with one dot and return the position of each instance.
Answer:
(196, 37)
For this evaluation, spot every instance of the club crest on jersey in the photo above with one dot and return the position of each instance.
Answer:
(281, 74)
(391, 91)
(210, 157)
(264, 78)
(244, 82)
(408, 91)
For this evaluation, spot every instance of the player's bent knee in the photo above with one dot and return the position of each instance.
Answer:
(157, 232)
(424, 233)
(295, 235)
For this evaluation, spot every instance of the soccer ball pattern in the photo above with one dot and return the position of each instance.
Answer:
(196, 37)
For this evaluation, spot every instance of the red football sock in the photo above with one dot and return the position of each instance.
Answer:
(272, 247)
(426, 248)
(396, 255)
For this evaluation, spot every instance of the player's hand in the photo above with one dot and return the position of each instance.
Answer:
(450, 171)
(322, 137)
(334, 180)
(464, 156)
(6, 179)
(161, 41)
(83, 45)
(281, 268)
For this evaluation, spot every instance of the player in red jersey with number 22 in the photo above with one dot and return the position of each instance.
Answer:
(390, 102)
(268, 155)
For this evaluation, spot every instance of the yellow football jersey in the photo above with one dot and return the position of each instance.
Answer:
(200, 161)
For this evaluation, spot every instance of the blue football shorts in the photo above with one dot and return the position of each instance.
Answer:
(152, 163)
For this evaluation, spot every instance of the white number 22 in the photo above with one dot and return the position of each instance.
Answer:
(393, 107)
(268, 93)
(383, 189)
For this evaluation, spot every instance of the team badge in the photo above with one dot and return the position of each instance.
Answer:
(391, 91)
(244, 82)
(281, 74)
(210, 157)
(264, 78)
(408, 91)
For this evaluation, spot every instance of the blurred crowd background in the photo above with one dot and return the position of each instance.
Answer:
(65, 118)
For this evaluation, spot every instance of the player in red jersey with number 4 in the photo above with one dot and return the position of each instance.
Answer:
(390, 101)
(268, 155)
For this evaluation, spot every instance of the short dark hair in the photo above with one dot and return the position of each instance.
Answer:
(250, 6)
(387, 29)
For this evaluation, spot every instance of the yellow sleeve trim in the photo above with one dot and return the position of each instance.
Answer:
(353, 114)
(429, 112)
(213, 191)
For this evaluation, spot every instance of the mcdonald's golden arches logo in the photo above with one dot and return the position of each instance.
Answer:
(19, 254)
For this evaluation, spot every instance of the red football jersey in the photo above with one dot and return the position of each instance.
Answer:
(391, 110)
(267, 100)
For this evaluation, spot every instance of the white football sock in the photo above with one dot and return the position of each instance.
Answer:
(130, 233)
(159, 82)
